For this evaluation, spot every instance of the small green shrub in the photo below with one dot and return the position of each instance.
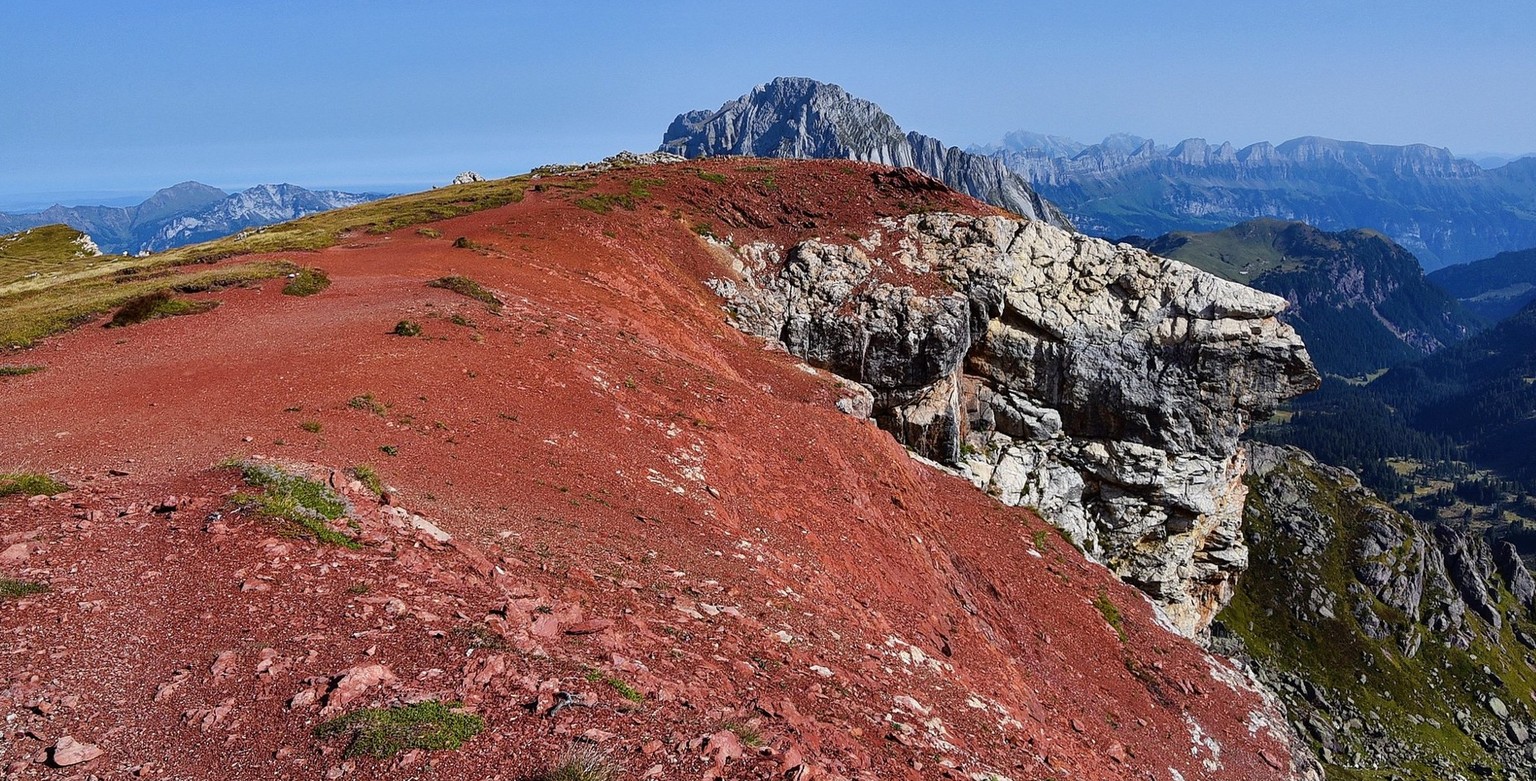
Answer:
(465, 286)
(385, 732)
(304, 505)
(464, 242)
(152, 306)
(28, 484)
(407, 328)
(704, 229)
(368, 477)
(389, 450)
(431, 233)
(367, 403)
(306, 282)
(19, 371)
(312, 426)
(16, 589)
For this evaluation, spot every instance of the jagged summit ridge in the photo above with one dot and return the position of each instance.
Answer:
(801, 117)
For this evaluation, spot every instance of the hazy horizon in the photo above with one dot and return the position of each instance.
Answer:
(122, 99)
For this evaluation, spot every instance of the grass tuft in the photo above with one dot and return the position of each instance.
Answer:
(28, 484)
(465, 286)
(712, 177)
(582, 763)
(19, 371)
(431, 233)
(625, 690)
(385, 732)
(16, 589)
(407, 328)
(304, 505)
(746, 733)
(1111, 613)
(368, 477)
(306, 282)
(367, 403)
(153, 306)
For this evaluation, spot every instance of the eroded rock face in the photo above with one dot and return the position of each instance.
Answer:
(1102, 385)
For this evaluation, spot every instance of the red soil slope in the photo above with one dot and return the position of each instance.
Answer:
(636, 492)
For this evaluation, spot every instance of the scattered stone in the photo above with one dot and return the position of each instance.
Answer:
(68, 751)
(468, 177)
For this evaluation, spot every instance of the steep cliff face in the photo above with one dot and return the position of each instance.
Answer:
(1102, 385)
(798, 117)
(1395, 645)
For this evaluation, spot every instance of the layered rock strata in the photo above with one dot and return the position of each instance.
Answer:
(1104, 386)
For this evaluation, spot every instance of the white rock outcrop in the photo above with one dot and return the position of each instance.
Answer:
(1104, 386)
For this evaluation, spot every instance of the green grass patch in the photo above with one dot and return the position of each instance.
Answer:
(1111, 613)
(385, 732)
(602, 203)
(16, 589)
(306, 282)
(29, 484)
(153, 306)
(704, 229)
(305, 506)
(19, 370)
(712, 177)
(312, 426)
(407, 328)
(48, 289)
(368, 477)
(625, 690)
(465, 286)
(431, 233)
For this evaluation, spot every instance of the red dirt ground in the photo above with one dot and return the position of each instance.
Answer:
(636, 492)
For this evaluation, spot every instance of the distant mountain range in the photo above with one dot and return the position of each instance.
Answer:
(799, 117)
(185, 214)
(1359, 300)
(1442, 208)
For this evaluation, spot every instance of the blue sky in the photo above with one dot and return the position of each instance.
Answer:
(123, 98)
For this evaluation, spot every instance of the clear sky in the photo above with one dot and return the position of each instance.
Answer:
(125, 97)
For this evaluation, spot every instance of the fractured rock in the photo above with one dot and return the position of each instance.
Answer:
(1102, 385)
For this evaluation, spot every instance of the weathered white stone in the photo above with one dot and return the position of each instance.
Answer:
(1104, 386)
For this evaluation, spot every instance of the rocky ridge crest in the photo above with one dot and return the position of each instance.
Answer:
(1104, 386)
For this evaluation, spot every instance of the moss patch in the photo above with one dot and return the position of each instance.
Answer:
(29, 484)
(16, 589)
(302, 506)
(465, 286)
(385, 732)
(306, 282)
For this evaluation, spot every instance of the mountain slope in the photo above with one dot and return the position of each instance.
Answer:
(1360, 300)
(1401, 649)
(612, 518)
(184, 214)
(798, 117)
(1493, 288)
(1443, 209)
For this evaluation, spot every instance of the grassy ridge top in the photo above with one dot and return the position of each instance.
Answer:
(47, 287)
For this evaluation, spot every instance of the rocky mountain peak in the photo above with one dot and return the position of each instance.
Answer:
(805, 118)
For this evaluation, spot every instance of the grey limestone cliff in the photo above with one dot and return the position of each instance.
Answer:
(798, 117)
(1102, 385)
